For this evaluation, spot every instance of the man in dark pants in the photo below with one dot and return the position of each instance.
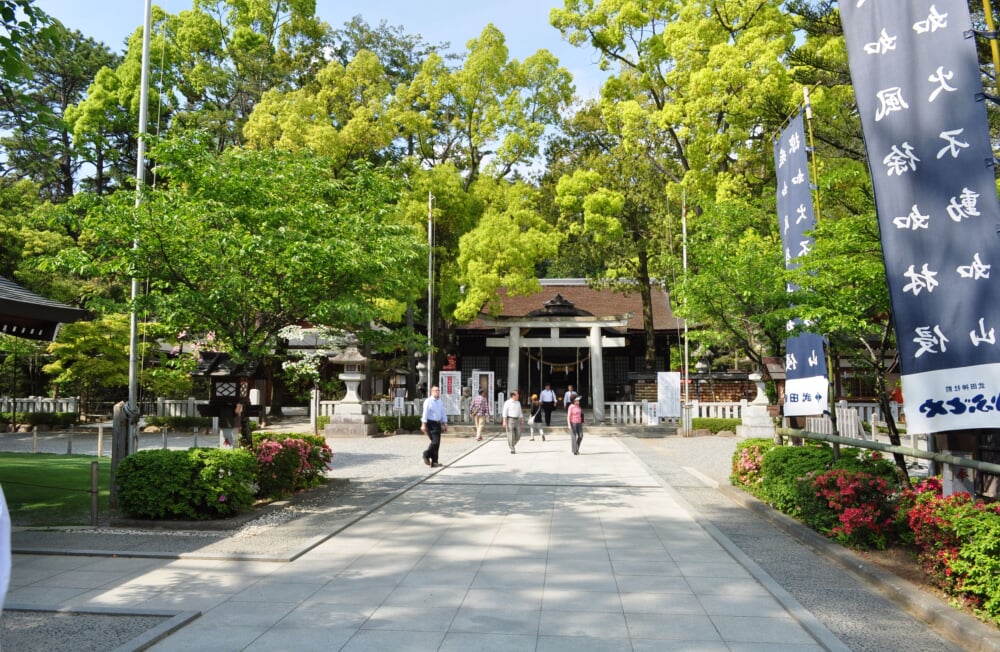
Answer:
(548, 399)
(433, 422)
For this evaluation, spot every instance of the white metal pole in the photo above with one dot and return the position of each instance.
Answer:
(140, 169)
(684, 257)
(430, 291)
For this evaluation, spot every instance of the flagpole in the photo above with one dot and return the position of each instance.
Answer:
(140, 168)
(812, 149)
(430, 290)
(988, 12)
(686, 426)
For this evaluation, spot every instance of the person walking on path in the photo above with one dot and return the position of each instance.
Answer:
(574, 421)
(433, 422)
(535, 418)
(569, 396)
(480, 411)
(548, 399)
(512, 420)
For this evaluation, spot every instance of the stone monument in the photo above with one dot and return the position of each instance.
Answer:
(756, 420)
(349, 418)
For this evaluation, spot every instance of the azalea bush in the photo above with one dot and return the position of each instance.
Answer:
(857, 501)
(747, 461)
(958, 543)
(860, 510)
(287, 463)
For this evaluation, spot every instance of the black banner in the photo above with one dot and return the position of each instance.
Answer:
(919, 92)
(806, 381)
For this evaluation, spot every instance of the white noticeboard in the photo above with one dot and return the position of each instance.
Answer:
(651, 418)
(451, 392)
(668, 394)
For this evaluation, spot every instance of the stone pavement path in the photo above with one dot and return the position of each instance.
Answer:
(540, 550)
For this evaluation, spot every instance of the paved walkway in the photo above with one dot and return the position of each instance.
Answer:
(541, 550)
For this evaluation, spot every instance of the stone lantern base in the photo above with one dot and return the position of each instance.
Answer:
(350, 425)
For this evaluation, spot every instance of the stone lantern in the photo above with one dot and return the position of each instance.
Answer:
(349, 418)
(757, 421)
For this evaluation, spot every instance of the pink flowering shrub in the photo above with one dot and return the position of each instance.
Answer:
(287, 463)
(746, 464)
(861, 507)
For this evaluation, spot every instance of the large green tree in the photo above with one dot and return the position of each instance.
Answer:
(244, 243)
(38, 144)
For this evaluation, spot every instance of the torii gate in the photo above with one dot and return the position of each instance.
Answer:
(594, 341)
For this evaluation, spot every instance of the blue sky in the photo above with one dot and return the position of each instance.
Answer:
(525, 23)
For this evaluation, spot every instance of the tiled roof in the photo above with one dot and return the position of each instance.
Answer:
(26, 314)
(600, 303)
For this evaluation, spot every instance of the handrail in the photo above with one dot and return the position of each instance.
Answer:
(944, 458)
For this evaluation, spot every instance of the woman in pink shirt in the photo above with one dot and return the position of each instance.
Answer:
(574, 421)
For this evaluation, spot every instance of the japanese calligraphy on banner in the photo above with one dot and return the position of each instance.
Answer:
(916, 78)
(806, 381)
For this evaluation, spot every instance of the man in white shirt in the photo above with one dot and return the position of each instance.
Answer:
(569, 396)
(512, 420)
(433, 422)
(548, 401)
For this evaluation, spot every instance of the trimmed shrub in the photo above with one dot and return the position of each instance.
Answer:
(390, 424)
(51, 419)
(716, 425)
(185, 484)
(178, 423)
(785, 468)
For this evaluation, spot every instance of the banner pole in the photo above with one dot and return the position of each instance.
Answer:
(988, 13)
(812, 148)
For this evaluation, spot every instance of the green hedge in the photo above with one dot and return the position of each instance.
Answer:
(51, 419)
(193, 484)
(715, 425)
(391, 424)
(178, 423)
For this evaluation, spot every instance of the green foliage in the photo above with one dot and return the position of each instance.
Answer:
(391, 423)
(289, 462)
(715, 424)
(958, 539)
(179, 423)
(51, 419)
(746, 464)
(189, 484)
(786, 468)
(244, 243)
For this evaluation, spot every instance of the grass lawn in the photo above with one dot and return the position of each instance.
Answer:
(46, 489)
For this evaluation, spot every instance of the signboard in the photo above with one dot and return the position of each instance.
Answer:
(668, 394)
(651, 418)
(451, 392)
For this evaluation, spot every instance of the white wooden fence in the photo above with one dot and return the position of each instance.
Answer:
(39, 404)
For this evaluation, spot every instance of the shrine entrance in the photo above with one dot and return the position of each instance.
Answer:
(560, 345)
